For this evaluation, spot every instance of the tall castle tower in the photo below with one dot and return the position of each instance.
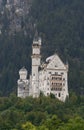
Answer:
(36, 57)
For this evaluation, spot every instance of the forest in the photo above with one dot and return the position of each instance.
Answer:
(60, 24)
(43, 113)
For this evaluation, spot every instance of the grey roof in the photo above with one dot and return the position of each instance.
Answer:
(23, 69)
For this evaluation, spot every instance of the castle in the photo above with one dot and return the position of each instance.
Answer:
(49, 77)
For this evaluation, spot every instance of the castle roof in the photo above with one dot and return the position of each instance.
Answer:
(23, 69)
(55, 62)
(49, 58)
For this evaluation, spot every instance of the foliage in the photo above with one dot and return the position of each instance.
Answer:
(28, 126)
(73, 124)
(47, 114)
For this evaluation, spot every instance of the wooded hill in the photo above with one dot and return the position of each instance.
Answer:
(60, 23)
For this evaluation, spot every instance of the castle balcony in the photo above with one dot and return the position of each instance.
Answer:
(57, 79)
(57, 86)
(56, 89)
(35, 56)
(57, 83)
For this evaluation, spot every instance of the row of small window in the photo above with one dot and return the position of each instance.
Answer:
(45, 88)
(56, 73)
(56, 89)
(57, 78)
(59, 94)
(57, 84)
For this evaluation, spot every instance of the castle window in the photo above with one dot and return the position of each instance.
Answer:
(55, 65)
(62, 73)
(59, 94)
(63, 78)
(47, 94)
(48, 78)
(63, 84)
(60, 89)
(56, 73)
(49, 72)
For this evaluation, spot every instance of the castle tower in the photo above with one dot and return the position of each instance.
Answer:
(36, 57)
(23, 88)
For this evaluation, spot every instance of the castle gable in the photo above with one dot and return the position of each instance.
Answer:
(55, 63)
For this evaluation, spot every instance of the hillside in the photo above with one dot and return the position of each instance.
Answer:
(61, 26)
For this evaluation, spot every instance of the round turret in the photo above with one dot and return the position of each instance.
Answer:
(23, 73)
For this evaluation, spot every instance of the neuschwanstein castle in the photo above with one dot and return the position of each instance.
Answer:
(49, 77)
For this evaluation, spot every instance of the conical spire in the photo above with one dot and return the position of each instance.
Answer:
(36, 37)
